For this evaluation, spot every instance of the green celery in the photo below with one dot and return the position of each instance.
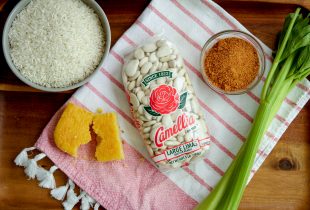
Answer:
(279, 55)
(291, 65)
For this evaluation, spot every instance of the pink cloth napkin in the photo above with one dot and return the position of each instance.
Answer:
(135, 183)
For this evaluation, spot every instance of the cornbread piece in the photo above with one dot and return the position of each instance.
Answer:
(72, 129)
(109, 145)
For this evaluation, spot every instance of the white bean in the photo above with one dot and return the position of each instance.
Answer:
(163, 51)
(147, 116)
(131, 67)
(136, 90)
(153, 57)
(147, 92)
(131, 85)
(149, 123)
(153, 85)
(150, 151)
(161, 80)
(140, 95)
(140, 109)
(179, 62)
(182, 72)
(149, 48)
(168, 58)
(146, 67)
(145, 100)
(161, 43)
(139, 80)
(143, 61)
(135, 76)
(167, 121)
(164, 66)
(172, 64)
(139, 54)
(179, 83)
(172, 143)
(134, 101)
(146, 130)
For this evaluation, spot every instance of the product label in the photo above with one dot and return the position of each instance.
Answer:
(182, 151)
(156, 75)
(167, 113)
(183, 122)
(164, 99)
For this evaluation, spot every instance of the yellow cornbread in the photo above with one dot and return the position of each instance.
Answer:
(72, 129)
(109, 145)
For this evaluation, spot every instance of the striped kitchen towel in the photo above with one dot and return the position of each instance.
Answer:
(135, 183)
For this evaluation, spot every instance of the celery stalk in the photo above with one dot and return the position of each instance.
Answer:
(212, 201)
(291, 64)
(278, 55)
(277, 86)
(245, 166)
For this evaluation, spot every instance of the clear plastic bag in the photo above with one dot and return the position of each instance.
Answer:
(164, 106)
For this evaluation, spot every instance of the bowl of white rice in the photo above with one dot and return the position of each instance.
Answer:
(56, 45)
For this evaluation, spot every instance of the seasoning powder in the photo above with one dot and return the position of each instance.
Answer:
(231, 64)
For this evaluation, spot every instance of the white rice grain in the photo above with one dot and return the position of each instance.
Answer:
(56, 43)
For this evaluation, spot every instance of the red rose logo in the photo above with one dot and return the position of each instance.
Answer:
(164, 99)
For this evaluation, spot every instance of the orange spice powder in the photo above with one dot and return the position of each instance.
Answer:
(231, 64)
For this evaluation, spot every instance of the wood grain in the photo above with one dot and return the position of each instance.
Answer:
(281, 183)
(303, 3)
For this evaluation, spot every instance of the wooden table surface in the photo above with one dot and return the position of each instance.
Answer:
(281, 183)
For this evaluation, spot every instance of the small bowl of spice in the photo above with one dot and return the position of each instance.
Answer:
(232, 62)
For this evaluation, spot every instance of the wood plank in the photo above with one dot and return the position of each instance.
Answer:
(24, 88)
(281, 183)
(304, 3)
(23, 115)
(283, 180)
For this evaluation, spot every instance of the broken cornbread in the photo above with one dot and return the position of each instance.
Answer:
(109, 145)
(72, 129)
